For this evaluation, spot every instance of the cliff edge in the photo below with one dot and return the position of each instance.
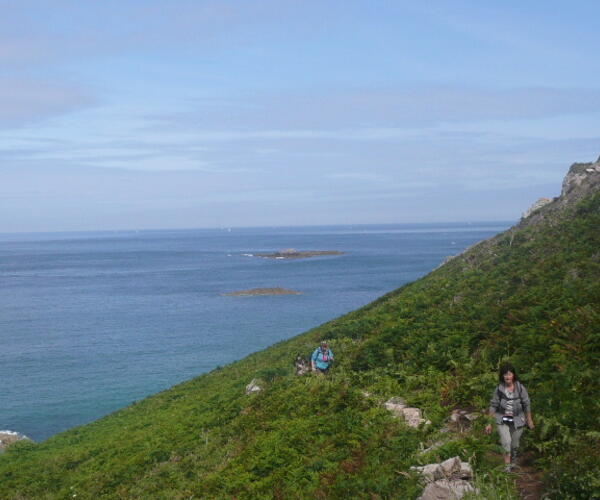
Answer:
(581, 181)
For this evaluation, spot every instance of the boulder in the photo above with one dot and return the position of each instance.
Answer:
(446, 489)
(431, 472)
(253, 387)
(448, 480)
(395, 405)
(413, 417)
(466, 472)
(450, 467)
(395, 402)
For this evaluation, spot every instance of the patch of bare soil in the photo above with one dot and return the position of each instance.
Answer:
(529, 479)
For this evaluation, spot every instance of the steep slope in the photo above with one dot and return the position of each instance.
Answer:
(530, 295)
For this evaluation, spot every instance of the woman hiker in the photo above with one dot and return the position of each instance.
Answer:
(321, 359)
(511, 408)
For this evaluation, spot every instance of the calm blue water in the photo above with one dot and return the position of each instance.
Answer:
(90, 322)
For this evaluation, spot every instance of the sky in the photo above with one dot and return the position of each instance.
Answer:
(144, 114)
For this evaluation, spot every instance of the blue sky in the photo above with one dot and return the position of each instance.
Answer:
(136, 114)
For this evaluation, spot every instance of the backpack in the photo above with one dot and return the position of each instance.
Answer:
(325, 355)
(501, 395)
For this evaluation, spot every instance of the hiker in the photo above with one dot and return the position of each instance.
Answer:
(511, 408)
(321, 359)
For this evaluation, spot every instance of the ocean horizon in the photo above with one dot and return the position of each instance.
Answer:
(93, 321)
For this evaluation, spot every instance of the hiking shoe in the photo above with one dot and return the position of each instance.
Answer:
(508, 468)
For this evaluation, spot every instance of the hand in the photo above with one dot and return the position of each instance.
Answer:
(530, 424)
(488, 429)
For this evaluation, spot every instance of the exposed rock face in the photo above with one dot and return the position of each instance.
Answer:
(262, 291)
(448, 480)
(10, 437)
(395, 405)
(538, 204)
(583, 179)
(253, 387)
(412, 416)
(445, 489)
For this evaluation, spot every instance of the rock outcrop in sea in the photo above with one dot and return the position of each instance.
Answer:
(292, 253)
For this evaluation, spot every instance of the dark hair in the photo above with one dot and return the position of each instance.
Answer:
(507, 367)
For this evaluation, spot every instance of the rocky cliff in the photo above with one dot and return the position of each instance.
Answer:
(582, 180)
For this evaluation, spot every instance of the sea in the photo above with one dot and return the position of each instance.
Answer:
(91, 322)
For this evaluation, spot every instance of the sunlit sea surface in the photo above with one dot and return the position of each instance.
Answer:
(90, 322)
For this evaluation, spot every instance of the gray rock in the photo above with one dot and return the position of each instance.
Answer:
(395, 405)
(413, 417)
(538, 204)
(451, 470)
(466, 472)
(430, 472)
(450, 467)
(445, 489)
(395, 402)
(581, 180)
(253, 387)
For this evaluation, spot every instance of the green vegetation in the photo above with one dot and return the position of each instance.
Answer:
(529, 295)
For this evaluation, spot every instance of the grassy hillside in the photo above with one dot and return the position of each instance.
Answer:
(530, 295)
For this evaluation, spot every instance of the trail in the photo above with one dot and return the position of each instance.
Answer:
(529, 478)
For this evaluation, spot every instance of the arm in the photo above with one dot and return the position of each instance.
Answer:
(488, 427)
(494, 404)
(526, 402)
